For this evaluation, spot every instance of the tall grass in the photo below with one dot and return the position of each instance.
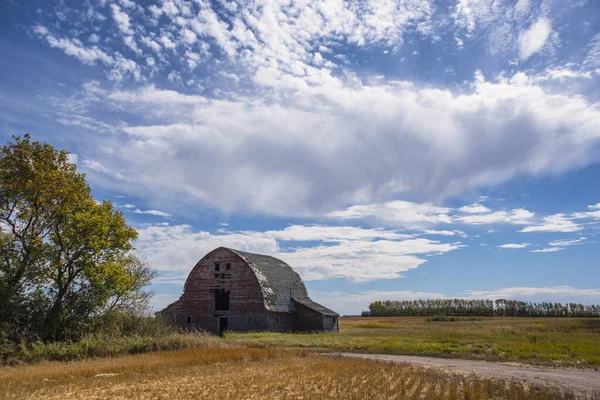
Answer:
(109, 346)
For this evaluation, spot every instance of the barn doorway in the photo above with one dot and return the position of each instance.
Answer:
(222, 325)
(221, 300)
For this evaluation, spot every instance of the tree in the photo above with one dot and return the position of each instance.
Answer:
(66, 260)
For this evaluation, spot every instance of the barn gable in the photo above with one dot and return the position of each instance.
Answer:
(255, 280)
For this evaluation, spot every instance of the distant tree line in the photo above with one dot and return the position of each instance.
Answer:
(463, 307)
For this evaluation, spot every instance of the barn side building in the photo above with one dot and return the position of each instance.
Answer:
(240, 291)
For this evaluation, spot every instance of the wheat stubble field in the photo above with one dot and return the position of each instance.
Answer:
(242, 373)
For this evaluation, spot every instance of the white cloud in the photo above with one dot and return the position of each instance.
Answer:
(567, 242)
(353, 253)
(444, 232)
(562, 74)
(517, 216)
(475, 208)
(74, 48)
(514, 245)
(533, 39)
(361, 261)
(152, 212)
(167, 42)
(592, 59)
(318, 138)
(130, 42)
(548, 250)
(554, 223)
(96, 166)
(333, 233)
(595, 206)
(188, 36)
(396, 212)
(151, 43)
(121, 19)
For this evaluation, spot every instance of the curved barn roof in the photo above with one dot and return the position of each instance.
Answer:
(280, 284)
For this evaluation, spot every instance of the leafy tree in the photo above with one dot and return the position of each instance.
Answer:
(66, 259)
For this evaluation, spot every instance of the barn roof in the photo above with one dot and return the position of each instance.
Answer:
(280, 284)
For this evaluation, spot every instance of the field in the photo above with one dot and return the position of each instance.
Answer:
(569, 342)
(242, 373)
(278, 366)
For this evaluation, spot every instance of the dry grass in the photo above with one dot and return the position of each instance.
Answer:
(547, 341)
(239, 373)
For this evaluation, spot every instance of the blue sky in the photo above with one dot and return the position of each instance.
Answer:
(384, 149)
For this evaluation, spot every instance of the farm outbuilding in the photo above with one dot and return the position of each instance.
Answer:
(240, 291)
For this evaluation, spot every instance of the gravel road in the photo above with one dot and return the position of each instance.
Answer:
(584, 383)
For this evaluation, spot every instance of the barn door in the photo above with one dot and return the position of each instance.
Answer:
(222, 325)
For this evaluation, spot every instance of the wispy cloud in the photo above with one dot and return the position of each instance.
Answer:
(533, 39)
(547, 250)
(152, 212)
(514, 245)
(567, 242)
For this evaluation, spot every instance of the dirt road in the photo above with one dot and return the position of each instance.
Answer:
(584, 383)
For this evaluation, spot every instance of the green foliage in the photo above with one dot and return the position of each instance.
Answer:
(463, 307)
(66, 264)
(438, 318)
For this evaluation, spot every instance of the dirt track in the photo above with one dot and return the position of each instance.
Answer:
(584, 383)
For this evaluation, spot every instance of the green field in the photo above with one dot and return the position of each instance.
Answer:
(571, 342)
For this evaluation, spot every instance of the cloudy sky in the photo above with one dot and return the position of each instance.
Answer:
(385, 149)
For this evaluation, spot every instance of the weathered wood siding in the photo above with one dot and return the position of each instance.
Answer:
(330, 323)
(247, 311)
(281, 322)
(307, 319)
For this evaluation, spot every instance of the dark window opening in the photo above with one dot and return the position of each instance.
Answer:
(277, 319)
(188, 319)
(217, 276)
(250, 320)
(221, 300)
(217, 266)
(227, 265)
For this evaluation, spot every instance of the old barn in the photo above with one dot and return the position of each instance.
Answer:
(239, 291)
